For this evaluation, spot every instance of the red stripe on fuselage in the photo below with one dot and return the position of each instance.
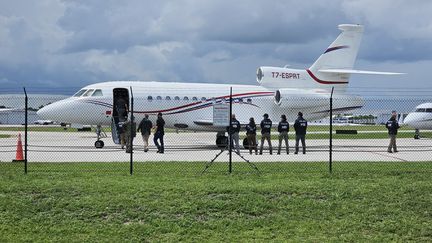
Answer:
(199, 102)
(323, 81)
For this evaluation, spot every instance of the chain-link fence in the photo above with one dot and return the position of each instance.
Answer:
(194, 141)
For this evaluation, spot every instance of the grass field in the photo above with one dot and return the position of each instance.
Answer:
(83, 202)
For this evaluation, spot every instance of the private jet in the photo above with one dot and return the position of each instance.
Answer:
(421, 118)
(190, 106)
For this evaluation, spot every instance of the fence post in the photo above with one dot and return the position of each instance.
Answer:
(331, 132)
(229, 132)
(25, 130)
(131, 132)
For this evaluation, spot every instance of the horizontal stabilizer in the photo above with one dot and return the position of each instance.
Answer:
(351, 71)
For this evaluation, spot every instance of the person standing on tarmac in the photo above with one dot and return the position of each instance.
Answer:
(235, 129)
(392, 125)
(251, 135)
(129, 134)
(283, 129)
(300, 127)
(159, 134)
(266, 125)
(145, 128)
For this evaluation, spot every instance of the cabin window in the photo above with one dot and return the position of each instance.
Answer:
(88, 93)
(203, 98)
(150, 98)
(429, 110)
(240, 100)
(176, 98)
(168, 98)
(159, 97)
(194, 98)
(249, 101)
(79, 93)
(97, 92)
(185, 98)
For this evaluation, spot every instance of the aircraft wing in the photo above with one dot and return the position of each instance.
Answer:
(204, 122)
(352, 71)
(210, 122)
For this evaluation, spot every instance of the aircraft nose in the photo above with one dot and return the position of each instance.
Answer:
(408, 120)
(46, 112)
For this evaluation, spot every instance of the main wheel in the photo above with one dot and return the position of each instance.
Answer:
(245, 143)
(99, 144)
(416, 136)
(222, 141)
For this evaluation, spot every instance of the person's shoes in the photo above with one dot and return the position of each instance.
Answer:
(122, 146)
(304, 152)
(287, 152)
(146, 150)
(260, 153)
(158, 151)
(389, 152)
(295, 152)
(250, 152)
(395, 151)
(278, 153)
(161, 152)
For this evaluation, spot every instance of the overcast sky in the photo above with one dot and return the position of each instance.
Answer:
(63, 45)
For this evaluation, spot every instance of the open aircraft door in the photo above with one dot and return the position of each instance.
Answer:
(120, 112)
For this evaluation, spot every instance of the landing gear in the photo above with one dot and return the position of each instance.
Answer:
(99, 144)
(100, 133)
(221, 140)
(417, 134)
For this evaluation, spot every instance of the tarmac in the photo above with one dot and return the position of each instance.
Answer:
(79, 147)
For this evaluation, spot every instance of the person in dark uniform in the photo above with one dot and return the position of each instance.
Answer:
(145, 127)
(266, 125)
(283, 129)
(392, 125)
(159, 134)
(300, 127)
(122, 109)
(235, 129)
(129, 134)
(251, 135)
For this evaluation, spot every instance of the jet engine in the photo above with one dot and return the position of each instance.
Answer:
(299, 99)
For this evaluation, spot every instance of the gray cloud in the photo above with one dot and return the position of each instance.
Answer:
(62, 43)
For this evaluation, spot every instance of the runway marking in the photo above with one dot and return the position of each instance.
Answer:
(389, 156)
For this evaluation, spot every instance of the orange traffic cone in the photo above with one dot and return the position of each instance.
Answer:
(19, 151)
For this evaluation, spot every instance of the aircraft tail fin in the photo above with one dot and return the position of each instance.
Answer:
(341, 54)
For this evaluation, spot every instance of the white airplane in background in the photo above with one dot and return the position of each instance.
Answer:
(421, 118)
(189, 106)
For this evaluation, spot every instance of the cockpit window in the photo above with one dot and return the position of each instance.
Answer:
(88, 93)
(420, 110)
(429, 110)
(79, 93)
(97, 92)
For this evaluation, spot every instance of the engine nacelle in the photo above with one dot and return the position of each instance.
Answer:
(299, 99)
(274, 77)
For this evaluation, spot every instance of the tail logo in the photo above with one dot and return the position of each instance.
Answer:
(335, 48)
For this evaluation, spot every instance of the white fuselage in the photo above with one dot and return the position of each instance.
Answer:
(421, 118)
(190, 105)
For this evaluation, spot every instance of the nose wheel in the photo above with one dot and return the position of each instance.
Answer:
(99, 144)
(100, 133)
